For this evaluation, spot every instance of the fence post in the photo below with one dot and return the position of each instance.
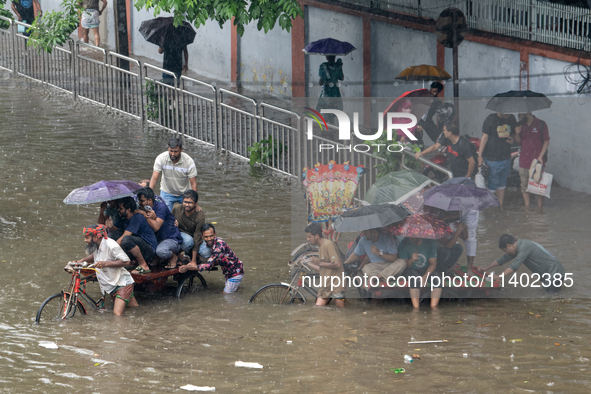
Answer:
(182, 107)
(74, 52)
(142, 98)
(13, 48)
(215, 128)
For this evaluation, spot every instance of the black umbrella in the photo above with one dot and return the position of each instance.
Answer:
(368, 217)
(161, 31)
(518, 101)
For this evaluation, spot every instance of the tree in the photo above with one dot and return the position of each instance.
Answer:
(55, 27)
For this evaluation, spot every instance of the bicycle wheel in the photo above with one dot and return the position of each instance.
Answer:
(190, 284)
(53, 308)
(273, 294)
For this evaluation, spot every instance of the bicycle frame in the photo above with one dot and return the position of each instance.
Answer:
(77, 290)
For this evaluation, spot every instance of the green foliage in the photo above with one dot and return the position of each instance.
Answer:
(393, 159)
(152, 100)
(262, 152)
(5, 13)
(265, 13)
(54, 27)
(159, 101)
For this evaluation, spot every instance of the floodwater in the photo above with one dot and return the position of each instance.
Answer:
(50, 145)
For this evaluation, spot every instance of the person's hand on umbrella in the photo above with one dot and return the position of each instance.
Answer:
(109, 223)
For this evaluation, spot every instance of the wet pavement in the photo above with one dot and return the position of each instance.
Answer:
(51, 145)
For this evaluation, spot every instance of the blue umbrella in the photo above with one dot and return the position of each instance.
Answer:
(328, 47)
(101, 191)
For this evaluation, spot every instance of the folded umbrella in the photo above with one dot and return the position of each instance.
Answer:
(102, 191)
(368, 217)
(518, 101)
(460, 198)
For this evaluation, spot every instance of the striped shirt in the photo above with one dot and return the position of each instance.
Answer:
(175, 177)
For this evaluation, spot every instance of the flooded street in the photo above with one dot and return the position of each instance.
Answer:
(50, 144)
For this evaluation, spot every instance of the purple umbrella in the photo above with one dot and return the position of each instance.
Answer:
(460, 198)
(329, 46)
(101, 191)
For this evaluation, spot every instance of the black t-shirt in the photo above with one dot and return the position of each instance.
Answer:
(26, 10)
(173, 60)
(458, 155)
(498, 130)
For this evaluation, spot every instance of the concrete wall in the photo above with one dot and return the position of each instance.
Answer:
(547, 75)
(483, 70)
(325, 24)
(265, 61)
(209, 55)
(395, 48)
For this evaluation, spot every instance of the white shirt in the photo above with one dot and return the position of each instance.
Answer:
(175, 176)
(109, 277)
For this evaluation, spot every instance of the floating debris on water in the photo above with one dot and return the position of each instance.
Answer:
(48, 345)
(190, 387)
(248, 365)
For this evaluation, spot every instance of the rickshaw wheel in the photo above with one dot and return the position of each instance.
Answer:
(275, 293)
(53, 307)
(190, 284)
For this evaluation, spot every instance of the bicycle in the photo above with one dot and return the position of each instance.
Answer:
(63, 305)
(301, 278)
(279, 293)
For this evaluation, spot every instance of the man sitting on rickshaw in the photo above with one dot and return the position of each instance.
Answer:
(189, 221)
(161, 220)
(381, 253)
(221, 255)
(138, 239)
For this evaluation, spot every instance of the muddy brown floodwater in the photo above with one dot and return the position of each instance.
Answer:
(50, 145)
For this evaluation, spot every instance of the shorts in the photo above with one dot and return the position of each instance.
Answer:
(90, 19)
(125, 293)
(524, 177)
(498, 174)
(233, 283)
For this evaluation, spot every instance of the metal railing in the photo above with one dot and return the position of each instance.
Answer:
(549, 23)
(196, 109)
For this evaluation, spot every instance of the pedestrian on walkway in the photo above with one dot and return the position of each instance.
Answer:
(173, 61)
(330, 73)
(532, 134)
(498, 133)
(25, 11)
(89, 19)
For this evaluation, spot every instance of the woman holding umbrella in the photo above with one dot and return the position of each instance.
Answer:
(330, 72)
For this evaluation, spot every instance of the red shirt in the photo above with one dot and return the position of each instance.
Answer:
(532, 139)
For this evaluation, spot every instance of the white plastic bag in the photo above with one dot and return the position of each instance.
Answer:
(479, 179)
(541, 188)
